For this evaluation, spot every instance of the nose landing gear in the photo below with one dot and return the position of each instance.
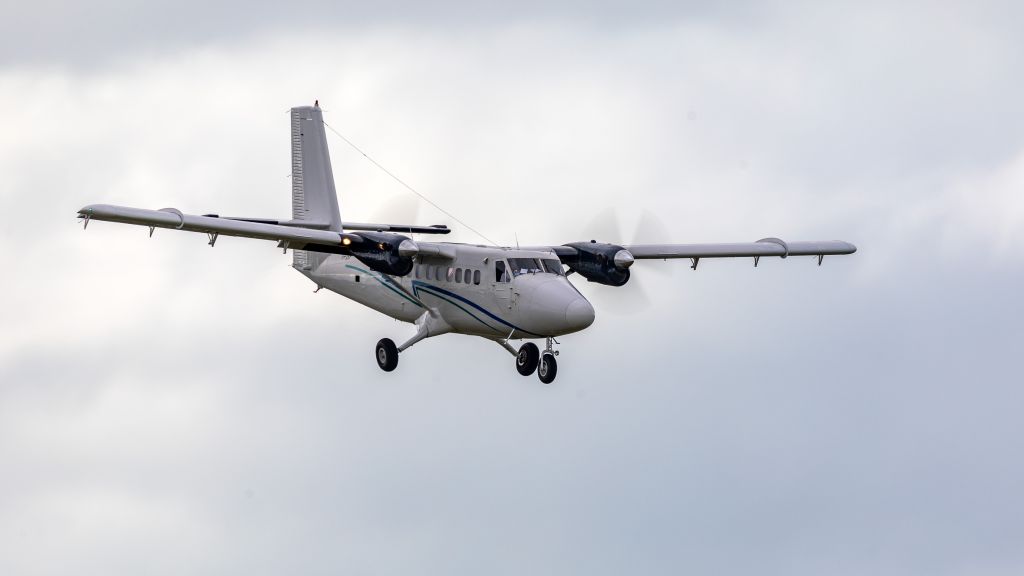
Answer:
(548, 367)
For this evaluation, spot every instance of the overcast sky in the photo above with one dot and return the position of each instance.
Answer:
(168, 408)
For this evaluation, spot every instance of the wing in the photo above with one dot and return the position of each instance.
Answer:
(763, 247)
(382, 249)
(609, 263)
(292, 232)
(289, 236)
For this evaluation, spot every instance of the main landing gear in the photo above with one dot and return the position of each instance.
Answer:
(428, 324)
(387, 355)
(529, 359)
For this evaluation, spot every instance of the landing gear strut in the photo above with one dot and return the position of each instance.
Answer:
(430, 323)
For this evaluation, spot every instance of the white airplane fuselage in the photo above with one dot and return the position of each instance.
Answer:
(465, 294)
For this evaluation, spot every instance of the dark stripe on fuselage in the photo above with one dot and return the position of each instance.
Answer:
(429, 290)
(418, 285)
(384, 282)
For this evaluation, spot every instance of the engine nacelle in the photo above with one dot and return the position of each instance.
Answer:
(602, 263)
(380, 251)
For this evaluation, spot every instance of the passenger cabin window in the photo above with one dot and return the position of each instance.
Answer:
(553, 266)
(500, 272)
(522, 266)
(476, 277)
(458, 275)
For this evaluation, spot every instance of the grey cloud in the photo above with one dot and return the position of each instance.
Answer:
(71, 33)
(166, 407)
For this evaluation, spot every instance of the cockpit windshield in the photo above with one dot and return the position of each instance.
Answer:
(522, 266)
(553, 266)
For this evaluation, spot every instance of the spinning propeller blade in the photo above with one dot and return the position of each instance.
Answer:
(633, 297)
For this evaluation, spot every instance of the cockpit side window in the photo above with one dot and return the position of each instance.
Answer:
(501, 272)
(553, 266)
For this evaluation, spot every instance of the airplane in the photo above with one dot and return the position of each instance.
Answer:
(500, 293)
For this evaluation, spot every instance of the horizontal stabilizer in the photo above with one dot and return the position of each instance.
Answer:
(361, 226)
(406, 228)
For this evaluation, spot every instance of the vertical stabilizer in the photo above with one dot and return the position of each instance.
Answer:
(314, 199)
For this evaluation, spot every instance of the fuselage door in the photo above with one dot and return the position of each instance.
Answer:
(502, 283)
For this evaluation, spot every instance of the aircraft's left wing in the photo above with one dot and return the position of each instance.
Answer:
(763, 247)
(609, 263)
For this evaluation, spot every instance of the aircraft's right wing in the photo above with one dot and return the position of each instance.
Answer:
(384, 251)
(289, 236)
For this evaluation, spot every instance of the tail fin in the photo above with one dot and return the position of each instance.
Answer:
(314, 199)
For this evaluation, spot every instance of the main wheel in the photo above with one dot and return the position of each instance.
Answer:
(387, 355)
(526, 360)
(547, 369)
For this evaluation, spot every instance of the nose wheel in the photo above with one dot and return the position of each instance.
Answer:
(548, 368)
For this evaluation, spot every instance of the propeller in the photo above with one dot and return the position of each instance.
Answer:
(398, 209)
(606, 226)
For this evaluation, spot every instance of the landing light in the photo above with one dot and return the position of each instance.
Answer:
(346, 241)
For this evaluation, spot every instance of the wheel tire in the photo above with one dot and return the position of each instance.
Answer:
(527, 359)
(547, 369)
(387, 355)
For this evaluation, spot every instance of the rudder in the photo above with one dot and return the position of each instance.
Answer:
(314, 199)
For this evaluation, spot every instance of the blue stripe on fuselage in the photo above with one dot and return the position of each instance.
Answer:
(384, 283)
(418, 285)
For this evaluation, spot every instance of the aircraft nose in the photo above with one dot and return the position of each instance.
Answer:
(579, 314)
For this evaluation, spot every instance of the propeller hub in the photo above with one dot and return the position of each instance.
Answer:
(408, 248)
(623, 259)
